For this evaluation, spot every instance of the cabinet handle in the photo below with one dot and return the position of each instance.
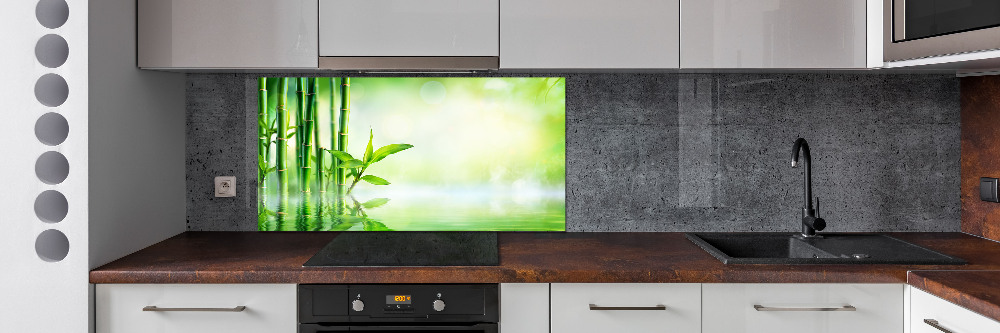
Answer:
(935, 324)
(630, 308)
(233, 309)
(759, 307)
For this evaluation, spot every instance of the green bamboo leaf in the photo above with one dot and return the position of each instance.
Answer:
(354, 163)
(372, 225)
(375, 202)
(341, 155)
(368, 151)
(387, 150)
(375, 180)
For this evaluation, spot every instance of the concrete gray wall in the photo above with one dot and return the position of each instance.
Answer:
(683, 152)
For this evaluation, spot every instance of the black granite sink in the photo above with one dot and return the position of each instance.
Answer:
(786, 248)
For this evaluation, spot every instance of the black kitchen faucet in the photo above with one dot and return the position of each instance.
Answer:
(810, 222)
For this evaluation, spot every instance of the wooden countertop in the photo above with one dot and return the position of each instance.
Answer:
(277, 257)
(978, 291)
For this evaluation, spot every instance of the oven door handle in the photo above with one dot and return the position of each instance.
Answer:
(416, 327)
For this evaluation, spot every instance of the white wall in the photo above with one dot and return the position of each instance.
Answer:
(137, 185)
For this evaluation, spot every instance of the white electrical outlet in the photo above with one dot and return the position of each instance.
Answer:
(225, 186)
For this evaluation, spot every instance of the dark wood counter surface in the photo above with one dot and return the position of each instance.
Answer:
(978, 291)
(277, 257)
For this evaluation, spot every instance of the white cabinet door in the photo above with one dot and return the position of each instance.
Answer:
(524, 308)
(227, 34)
(589, 34)
(269, 308)
(794, 308)
(774, 33)
(626, 307)
(951, 317)
(409, 28)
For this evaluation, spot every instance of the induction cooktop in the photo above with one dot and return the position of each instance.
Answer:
(407, 248)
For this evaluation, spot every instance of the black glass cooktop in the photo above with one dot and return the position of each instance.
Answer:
(409, 249)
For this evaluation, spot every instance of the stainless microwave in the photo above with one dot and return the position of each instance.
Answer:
(927, 28)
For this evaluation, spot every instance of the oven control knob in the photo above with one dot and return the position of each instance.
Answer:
(438, 305)
(358, 305)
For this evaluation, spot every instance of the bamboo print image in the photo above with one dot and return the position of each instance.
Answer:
(411, 154)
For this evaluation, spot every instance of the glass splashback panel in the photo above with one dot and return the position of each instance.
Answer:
(411, 154)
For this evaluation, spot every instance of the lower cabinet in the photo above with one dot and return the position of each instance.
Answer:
(802, 308)
(625, 307)
(196, 308)
(570, 308)
(524, 308)
(930, 314)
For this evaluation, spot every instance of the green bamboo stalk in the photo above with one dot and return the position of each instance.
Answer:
(317, 147)
(281, 112)
(345, 112)
(300, 98)
(334, 162)
(262, 141)
(272, 97)
(307, 136)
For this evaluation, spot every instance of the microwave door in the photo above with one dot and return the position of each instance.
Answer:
(916, 19)
(914, 29)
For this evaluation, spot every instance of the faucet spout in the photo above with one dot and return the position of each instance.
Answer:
(810, 222)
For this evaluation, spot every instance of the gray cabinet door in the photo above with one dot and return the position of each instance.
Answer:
(220, 34)
(581, 34)
(774, 34)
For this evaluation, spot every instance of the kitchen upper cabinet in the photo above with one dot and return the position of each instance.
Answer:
(408, 28)
(196, 308)
(930, 314)
(802, 308)
(779, 34)
(580, 34)
(626, 307)
(224, 34)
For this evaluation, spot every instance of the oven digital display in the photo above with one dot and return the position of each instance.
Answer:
(397, 299)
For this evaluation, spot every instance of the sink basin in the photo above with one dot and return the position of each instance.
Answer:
(786, 248)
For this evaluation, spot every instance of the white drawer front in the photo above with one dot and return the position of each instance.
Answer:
(951, 317)
(571, 311)
(270, 308)
(729, 308)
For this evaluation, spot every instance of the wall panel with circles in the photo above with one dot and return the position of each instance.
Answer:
(45, 193)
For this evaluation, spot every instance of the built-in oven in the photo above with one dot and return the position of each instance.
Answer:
(927, 28)
(390, 308)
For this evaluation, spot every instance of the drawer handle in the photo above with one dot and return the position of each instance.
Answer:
(628, 308)
(233, 309)
(759, 307)
(935, 324)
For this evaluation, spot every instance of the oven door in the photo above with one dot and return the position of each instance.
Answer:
(472, 328)
(927, 28)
